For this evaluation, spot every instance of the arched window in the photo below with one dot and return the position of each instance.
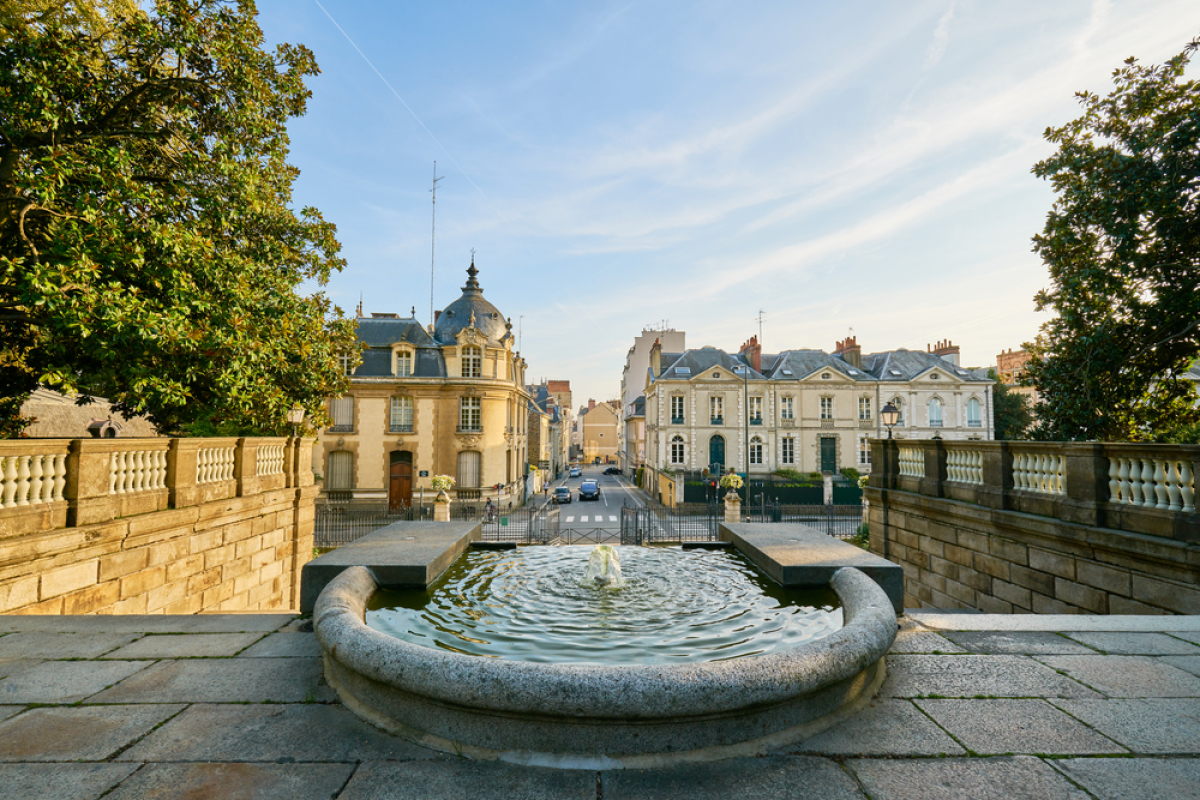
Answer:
(677, 450)
(756, 450)
(402, 415)
(899, 404)
(973, 409)
(935, 412)
(341, 471)
(472, 362)
(404, 364)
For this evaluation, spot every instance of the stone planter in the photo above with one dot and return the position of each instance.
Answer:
(441, 507)
(733, 507)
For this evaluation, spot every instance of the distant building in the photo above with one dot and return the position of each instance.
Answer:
(57, 416)
(1010, 367)
(631, 445)
(805, 410)
(598, 424)
(445, 400)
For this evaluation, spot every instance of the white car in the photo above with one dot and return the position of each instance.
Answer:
(575, 472)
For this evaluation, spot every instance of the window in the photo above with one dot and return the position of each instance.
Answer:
(825, 376)
(716, 409)
(402, 415)
(340, 471)
(347, 364)
(676, 410)
(756, 450)
(342, 411)
(404, 364)
(787, 408)
(469, 476)
(973, 420)
(935, 412)
(787, 451)
(472, 362)
(864, 451)
(756, 411)
(826, 408)
(899, 404)
(716, 376)
(470, 414)
(677, 450)
(864, 408)
(683, 370)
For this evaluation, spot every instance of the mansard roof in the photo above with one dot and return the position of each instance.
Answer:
(380, 334)
(795, 365)
(695, 362)
(905, 365)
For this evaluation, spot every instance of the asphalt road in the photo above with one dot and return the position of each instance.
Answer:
(615, 491)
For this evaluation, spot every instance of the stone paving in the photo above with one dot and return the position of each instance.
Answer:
(234, 706)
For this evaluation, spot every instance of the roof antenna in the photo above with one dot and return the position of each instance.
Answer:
(432, 239)
(359, 311)
(760, 320)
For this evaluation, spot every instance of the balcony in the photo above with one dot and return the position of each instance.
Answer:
(400, 429)
(866, 424)
(469, 429)
(676, 420)
(787, 422)
(716, 421)
(935, 423)
(827, 423)
(340, 429)
(974, 423)
(756, 420)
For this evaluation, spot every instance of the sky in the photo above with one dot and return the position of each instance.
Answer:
(835, 168)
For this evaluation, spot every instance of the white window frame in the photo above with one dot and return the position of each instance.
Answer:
(339, 471)
(400, 414)
(756, 404)
(716, 408)
(864, 408)
(470, 414)
(826, 408)
(974, 413)
(402, 363)
(677, 405)
(864, 451)
(472, 361)
(935, 412)
(787, 408)
(346, 362)
(756, 451)
(787, 450)
(678, 451)
(341, 411)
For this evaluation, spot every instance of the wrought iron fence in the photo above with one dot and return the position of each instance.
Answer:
(337, 524)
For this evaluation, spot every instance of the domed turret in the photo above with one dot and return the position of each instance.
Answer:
(470, 309)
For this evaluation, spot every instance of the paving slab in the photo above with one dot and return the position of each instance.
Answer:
(271, 732)
(187, 645)
(1187, 663)
(972, 676)
(1128, 676)
(49, 645)
(1144, 644)
(922, 641)
(257, 680)
(771, 778)
(1141, 778)
(65, 681)
(60, 781)
(1169, 726)
(285, 645)
(234, 781)
(1187, 636)
(884, 728)
(456, 779)
(996, 727)
(13, 666)
(10, 711)
(1018, 643)
(78, 733)
(147, 623)
(948, 621)
(1009, 778)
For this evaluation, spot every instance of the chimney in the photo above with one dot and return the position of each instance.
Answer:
(591, 404)
(850, 351)
(752, 350)
(656, 358)
(436, 314)
(947, 350)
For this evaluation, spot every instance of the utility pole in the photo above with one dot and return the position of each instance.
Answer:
(433, 240)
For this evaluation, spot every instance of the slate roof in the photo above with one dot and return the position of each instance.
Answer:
(802, 363)
(458, 315)
(696, 361)
(910, 364)
(380, 333)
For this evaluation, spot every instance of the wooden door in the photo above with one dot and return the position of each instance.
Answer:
(400, 485)
(828, 454)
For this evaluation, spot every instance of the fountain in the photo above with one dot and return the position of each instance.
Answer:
(615, 702)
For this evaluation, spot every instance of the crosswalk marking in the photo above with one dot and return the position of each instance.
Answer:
(612, 519)
(583, 519)
(570, 519)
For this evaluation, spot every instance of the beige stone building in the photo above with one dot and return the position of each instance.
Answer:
(632, 431)
(444, 400)
(598, 431)
(805, 410)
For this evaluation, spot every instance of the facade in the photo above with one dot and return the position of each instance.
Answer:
(445, 400)
(56, 416)
(1010, 366)
(598, 425)
(548, 440)
(631, 454)
(804, 410)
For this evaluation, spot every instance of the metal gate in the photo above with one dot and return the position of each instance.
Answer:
(655, 523)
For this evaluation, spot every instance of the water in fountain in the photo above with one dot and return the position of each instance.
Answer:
(604, 568)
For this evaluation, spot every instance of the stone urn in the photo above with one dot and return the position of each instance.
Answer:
(733, 506)
(441, 507)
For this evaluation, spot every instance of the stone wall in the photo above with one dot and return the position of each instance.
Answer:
(1039, 527)
(153, 526)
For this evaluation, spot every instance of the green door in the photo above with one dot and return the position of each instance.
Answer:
(828, 454)
(716, 454)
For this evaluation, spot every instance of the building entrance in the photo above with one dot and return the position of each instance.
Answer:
(400, 480)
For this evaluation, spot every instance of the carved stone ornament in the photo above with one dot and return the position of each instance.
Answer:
(469, 440)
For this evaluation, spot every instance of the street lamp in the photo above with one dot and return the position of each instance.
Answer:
(890, 415)
(295, 417)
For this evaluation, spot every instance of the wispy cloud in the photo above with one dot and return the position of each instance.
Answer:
(941, 37)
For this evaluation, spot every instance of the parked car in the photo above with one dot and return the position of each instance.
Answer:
(575, 472)
(613, 471)
(589, 490)
(562, 495)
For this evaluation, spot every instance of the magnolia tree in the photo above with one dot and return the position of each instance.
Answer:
(1122, 245)
(149, 250)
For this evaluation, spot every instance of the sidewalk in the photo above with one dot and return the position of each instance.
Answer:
(234, 706)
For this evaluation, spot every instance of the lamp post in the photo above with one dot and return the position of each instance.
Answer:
(890, 415)
(295, 417)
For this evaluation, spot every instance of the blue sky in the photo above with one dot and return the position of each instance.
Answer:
(859, 165)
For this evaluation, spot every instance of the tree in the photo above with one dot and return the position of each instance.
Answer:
(148, 251)
(1122, 244)
(1010, 413)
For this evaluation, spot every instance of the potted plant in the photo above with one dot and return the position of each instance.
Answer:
(731, 483)
(440, 484)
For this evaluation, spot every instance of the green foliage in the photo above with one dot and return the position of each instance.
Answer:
(1122, 245)
(148, 250)
(861, 537)
(1011, 416)
(850, 474)
(790, 474)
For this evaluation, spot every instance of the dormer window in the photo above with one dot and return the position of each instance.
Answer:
(404, 364)
(472, 362)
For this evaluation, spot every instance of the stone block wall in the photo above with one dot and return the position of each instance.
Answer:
(968, 536)
(165, 526)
